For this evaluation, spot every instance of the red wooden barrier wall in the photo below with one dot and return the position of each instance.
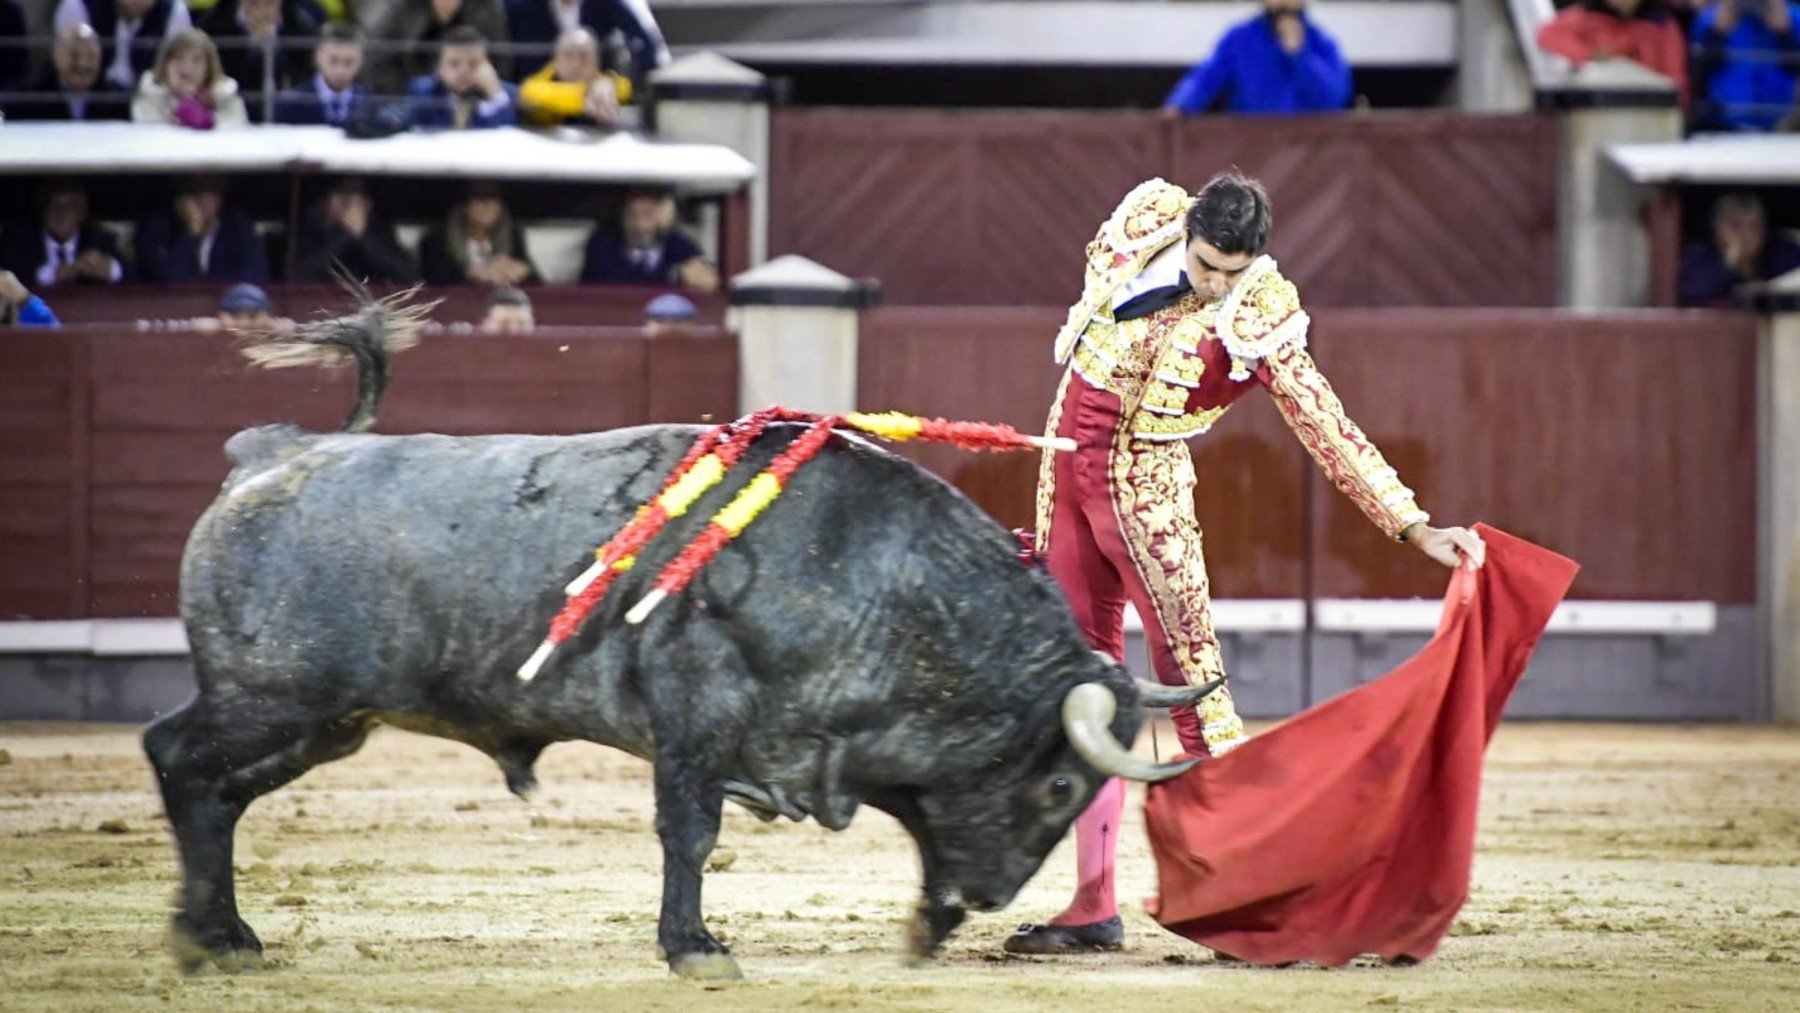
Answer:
(111, 440)
(994, 208)
(1626, 440)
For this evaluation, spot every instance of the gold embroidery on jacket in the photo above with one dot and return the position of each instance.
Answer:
(1153, 503)
(1144, 223)
(1353, 464)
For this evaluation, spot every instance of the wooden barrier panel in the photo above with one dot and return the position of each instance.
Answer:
(1589, 434)
(1626, 440)
(111, 439)
(994, 208)
(43, 476)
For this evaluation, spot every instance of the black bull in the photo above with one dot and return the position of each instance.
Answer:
(872, 639)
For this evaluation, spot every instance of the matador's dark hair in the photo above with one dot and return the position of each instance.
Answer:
(1232, 213)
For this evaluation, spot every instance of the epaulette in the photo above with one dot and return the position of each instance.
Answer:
(1146, 221)
(1260, 317)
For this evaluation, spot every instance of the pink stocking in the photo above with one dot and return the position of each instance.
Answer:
(1096, 839)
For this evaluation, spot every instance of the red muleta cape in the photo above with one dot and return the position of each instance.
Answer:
(1350, 828)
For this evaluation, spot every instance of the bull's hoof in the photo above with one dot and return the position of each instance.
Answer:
(929, 927)
(706, 967)
(1094, 937)
(231, 948)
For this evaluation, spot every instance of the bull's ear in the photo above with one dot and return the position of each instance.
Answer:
(1155, 694)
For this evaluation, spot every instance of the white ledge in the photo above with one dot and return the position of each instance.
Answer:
(98, 637)
(1244, 615)
(167, 638)
(1594, 618)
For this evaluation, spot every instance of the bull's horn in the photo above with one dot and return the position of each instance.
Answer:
(1087, 714)
(1155, 694)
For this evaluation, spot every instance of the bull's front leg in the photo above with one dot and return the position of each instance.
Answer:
(687, 820)
(939, 912)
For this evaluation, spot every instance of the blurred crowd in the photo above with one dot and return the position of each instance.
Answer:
(376, 67)
(373, 67)
(202, 236)
(1734, 63)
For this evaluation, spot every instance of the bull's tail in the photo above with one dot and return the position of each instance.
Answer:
(377, 329)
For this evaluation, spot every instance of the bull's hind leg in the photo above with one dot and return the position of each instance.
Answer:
(687, 820)
(211, 763)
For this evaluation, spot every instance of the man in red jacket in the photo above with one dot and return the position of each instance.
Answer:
(1639, 30)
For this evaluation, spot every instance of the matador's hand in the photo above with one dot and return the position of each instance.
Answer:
(1449, 546)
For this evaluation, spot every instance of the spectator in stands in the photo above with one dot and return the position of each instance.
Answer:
(65, 248)
(130, 31)
(187, 87)
(244, 29)
(341, 229)
(478, 243)
(419, 27)
(572, 89)
(244, 309)
(73, 73)
(200, 238)
(1642, 31)
(669, 315)
(19, 308)
(15, 61)
(1277, 62)
(1740, 250)
(644, 248)
(626, 28)
(466, 91)
(1749, 70)
(333, 96)
(508, 312)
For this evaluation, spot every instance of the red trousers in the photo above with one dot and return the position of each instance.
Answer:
(1116, 523)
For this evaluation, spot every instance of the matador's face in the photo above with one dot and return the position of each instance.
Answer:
(1213, 272)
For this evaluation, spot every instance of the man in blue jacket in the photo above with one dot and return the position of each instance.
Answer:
(1279, 62)
(1750, 63)
(466, 92)
(332, 96)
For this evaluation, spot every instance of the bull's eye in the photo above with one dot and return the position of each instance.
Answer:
(1059, 792)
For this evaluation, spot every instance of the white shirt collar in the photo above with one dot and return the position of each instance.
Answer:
(1163, 271)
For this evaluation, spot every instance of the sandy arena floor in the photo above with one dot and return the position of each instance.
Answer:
(1619, 868)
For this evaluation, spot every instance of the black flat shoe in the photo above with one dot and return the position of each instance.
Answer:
(1091, 938)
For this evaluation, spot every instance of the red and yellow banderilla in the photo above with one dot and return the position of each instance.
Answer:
(704, 466)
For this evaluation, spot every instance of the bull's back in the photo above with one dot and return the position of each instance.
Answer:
(335, 552)
(414, 573)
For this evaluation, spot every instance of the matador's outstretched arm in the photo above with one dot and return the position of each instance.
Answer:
(1352, 462)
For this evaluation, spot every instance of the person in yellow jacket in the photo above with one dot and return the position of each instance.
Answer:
(571, 88)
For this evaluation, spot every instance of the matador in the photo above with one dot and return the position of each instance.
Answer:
(1181, 313)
